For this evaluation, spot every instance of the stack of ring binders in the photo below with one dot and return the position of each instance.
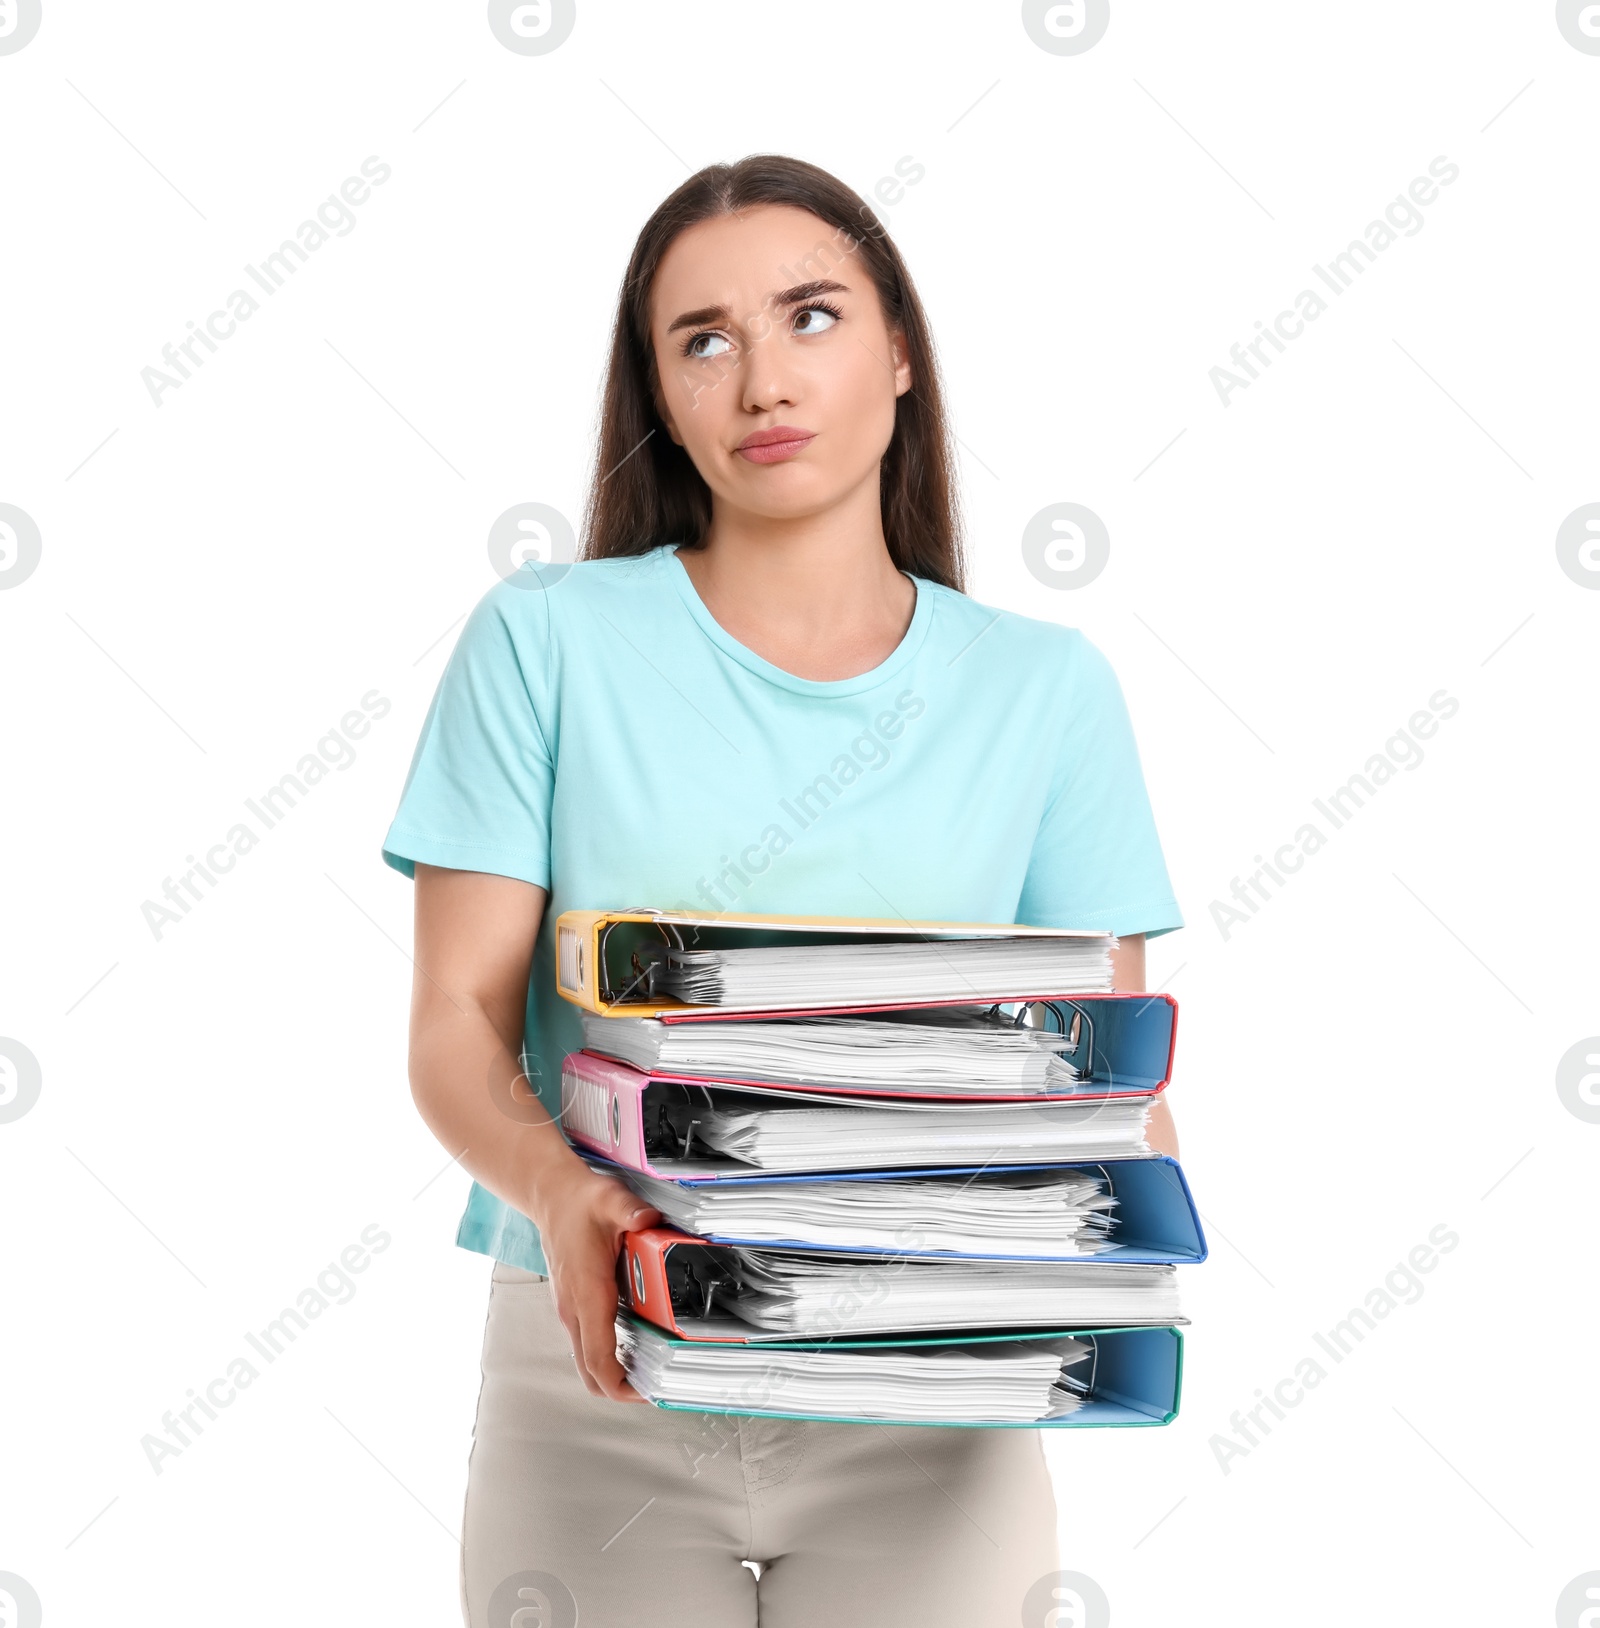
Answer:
(901, 1167)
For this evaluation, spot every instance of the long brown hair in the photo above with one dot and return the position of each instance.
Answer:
(646, 490)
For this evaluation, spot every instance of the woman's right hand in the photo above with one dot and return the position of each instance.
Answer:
(582, 1217)
(475, 937)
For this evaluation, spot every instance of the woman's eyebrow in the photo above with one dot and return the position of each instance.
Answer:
(797, 295)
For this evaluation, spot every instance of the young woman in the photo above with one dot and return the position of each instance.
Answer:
(761, 689)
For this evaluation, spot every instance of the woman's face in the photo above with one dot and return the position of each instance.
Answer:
(765, 321)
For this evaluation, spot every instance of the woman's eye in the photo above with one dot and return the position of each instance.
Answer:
(814, 320)
(698, 345)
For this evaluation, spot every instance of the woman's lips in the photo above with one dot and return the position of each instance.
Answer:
(772, 447)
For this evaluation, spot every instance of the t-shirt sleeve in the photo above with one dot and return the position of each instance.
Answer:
(479, 791)
(1097, 860)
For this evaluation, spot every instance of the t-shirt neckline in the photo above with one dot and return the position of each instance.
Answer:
(921, 617)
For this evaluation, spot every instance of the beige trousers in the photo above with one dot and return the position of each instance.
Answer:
(582, 1511)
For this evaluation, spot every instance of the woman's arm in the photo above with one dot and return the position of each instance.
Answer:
(1127, 972)
(474, 948)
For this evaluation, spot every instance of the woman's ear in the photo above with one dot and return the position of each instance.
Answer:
(902, 362)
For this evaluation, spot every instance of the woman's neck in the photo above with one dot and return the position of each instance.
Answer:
(818, 597)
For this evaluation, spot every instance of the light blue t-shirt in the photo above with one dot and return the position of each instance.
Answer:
(603, 737)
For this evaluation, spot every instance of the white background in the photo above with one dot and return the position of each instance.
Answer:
(1372, 1054)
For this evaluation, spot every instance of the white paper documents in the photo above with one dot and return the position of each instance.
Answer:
(1004, 1382)
(803, 1296)
(784, 1137)
(1056, 1214)
(960, 1050)
(785, 975)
